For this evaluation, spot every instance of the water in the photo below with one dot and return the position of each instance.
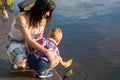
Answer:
(91, 37)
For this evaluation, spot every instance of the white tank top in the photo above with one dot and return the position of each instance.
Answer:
(16, 33)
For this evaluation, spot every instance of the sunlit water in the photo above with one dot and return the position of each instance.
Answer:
(91, 37)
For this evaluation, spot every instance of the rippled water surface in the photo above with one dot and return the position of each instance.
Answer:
(91, 37)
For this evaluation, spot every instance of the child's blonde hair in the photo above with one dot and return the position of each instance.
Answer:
(55, 33)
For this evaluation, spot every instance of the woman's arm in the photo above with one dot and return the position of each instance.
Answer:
(27, 35)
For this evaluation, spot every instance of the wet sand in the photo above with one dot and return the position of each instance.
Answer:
(6, 72)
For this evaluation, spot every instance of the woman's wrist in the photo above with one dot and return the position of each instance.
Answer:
(47, 53)
(50, 55)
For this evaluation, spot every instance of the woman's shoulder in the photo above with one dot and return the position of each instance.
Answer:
(21, 15)
(21, 18)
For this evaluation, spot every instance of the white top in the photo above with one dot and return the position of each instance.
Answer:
(16, 33)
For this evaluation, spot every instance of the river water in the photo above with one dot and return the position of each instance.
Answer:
(91, 37)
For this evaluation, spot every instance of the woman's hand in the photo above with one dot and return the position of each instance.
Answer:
(50, 55)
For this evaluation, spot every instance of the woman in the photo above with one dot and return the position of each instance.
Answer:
(26, 25)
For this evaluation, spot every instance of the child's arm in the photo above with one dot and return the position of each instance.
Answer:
(62, 62)
(65, 64)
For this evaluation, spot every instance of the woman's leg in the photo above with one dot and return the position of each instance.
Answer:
(18, 57)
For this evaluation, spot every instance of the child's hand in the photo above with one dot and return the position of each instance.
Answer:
(69, 63)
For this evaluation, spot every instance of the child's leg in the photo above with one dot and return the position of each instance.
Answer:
(32, 61)
(41, 68)
(54, 63)
(62, 62)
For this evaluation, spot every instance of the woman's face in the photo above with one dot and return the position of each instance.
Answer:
(47, 14)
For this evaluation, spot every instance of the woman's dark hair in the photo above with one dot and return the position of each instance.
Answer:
(39, 9)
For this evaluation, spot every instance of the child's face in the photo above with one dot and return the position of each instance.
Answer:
(59, 39)
(56, 36)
